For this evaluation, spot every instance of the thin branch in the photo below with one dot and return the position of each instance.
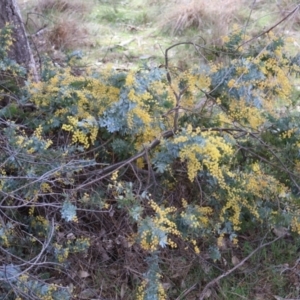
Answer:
(271, 28)
(33, 262)
(217, 279)
(103, 173)
(282, 168)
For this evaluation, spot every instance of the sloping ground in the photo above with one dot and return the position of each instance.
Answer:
(130, 33)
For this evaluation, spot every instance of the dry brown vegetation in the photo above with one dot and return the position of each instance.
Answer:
(67, 34)
(58, 25)
(210, 18)
(46, 6)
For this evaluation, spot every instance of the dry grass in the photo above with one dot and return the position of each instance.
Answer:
(209, 17)
(46, 6)
(63, 22)
(67, 34)
(65, 31)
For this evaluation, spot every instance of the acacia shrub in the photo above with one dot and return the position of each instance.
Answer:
(159, 161)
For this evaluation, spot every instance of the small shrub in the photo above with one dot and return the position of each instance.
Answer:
(60, 6)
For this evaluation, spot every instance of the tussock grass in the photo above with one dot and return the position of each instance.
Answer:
(64, 23)
(67, 34)
(46, 6)
(208, 17)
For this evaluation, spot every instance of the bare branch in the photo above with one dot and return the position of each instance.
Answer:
(272, 27)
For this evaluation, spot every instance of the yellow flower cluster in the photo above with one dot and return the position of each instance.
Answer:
(297, 163)
(29, 143)
(159, 87)
(233, 207)
(81, 244)
(214, 68)
(254, 185)
(41, 224)
(196, 248)
(241, 112)
(31, 211)
(161, 294)
(262, 185)
(61, 112)
(191, 85)
(141, 113)
(140, 163)
(150, 132)
(38, 132)
(63, 253)
(7, 37)
(46, 188)
(159, 222)
(94, 96)
(80, 137)
(189, 154)
(231, 83)
(104, 95)
(241, 70)
(214, 149)
(2, 182)
(141, 290)
(49, 296)
(225, 39)
(295, 225)
(277, 72)
(197, 218)
(180, 139)
(184, 203)
(130, 80)
(84, 132)
(24, 279)
(256, 167)
(4, 236)
(287, 134)
(114, 176)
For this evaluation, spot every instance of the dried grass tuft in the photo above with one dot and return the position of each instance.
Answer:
(213, 17)
(63, 20)
(67, 34)
(46, 6)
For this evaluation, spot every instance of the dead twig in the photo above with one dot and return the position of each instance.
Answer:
(241, 263)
